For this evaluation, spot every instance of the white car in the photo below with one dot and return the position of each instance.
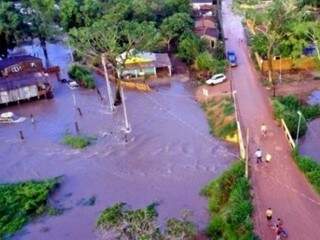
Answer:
(215, 79)
(73, 85)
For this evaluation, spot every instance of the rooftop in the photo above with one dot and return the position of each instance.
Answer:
(14, 60)
(24, 80)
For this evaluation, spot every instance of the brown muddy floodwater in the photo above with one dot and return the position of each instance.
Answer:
(169, 157)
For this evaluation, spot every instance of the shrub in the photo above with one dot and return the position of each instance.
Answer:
(189, 47)
(206, 62)
(82, 76)
(310, 167)
(230, 205)
(141, 224)
(77, 142)
(19, 202)
(287, 107)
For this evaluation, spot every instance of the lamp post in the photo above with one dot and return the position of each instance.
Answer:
(298, 130)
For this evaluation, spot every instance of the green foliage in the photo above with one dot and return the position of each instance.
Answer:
(173, 26)
(141, 224)
(259, 44)
(310, 167)
(221, 119)
(82, 76)
(206, 62)
(134, 224)
(189, 47)
(287, 108)
(19, 202)
(180, 229)
(230, 205)
(10, 27)
(77, 142)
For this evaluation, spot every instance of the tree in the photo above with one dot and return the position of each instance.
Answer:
(10, 27)
(40, 17)
(310, 30)
(276, 19)
(176, 6)
(116, 40)
(172, 27)
(69, 14)
(189, 47)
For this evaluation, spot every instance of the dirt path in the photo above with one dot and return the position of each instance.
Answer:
(279, 184)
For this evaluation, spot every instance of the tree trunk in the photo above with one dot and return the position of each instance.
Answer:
(45, 52)
(168, 46)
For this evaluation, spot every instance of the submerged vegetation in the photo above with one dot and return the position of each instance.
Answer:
(20, 202)
(230, 205)
(221, 118)
(76, 142)
(141, 224)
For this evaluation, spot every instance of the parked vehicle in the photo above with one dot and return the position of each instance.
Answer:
(73, 85)
(232, 58)
(216, 79)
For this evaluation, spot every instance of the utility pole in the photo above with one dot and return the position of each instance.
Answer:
(127, 125)
(103, 61)
(298, 130)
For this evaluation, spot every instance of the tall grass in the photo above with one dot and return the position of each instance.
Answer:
(221, 117)
(310, 167)
(230, 206)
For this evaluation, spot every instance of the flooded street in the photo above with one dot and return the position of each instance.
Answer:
(168, 158)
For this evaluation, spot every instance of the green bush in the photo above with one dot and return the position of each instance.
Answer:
(206, 62)
(19, 202)
(189, 47)
(82, 76)
(287, 108)
(230, 205)
(77, 142)
(310, 167)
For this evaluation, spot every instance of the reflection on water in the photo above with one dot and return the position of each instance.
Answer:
(167, 157)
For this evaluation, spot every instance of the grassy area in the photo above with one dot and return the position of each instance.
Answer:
(287, 108)
(76, 142)
(20, 202)
(309, 167)
(230, 205)
(141, 224)
(82, 76)
(221, 118)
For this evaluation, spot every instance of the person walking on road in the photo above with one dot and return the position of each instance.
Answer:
(258, 154)
(269, 216)
(263, 130)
